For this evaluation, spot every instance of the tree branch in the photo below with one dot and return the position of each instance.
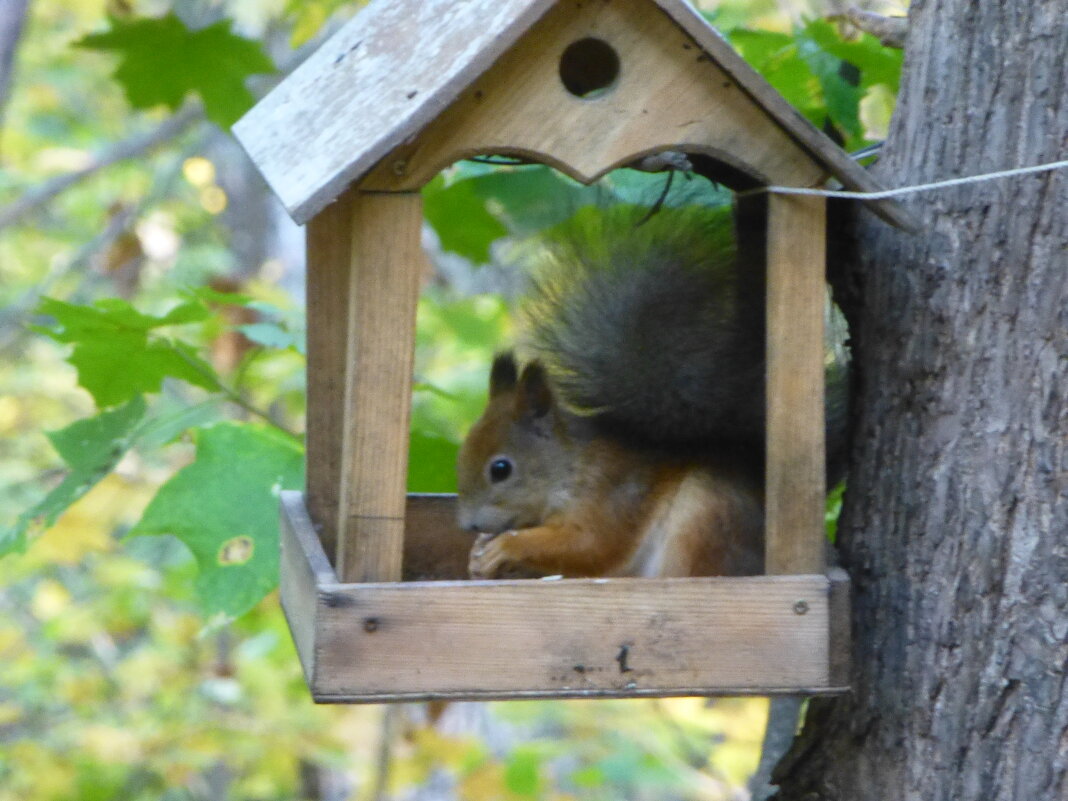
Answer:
(384, 754)
(891, 31)
(12, 18)
(12, 318)
(128, 148)
(233, 396)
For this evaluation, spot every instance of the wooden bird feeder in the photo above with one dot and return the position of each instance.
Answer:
(403, 90)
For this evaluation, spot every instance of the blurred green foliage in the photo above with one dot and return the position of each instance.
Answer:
(143, 654)
(834, 82)
(162, 61)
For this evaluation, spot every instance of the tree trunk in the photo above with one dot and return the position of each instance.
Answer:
(955, 524)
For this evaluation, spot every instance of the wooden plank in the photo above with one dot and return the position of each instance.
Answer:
(303, 568)
(668, 95)
(309, 548)
(795, 488)
(387, 266)
(391, 70)
(435, 548)
(329, 249)
(572, 637)
(717, 636)
(388, 72)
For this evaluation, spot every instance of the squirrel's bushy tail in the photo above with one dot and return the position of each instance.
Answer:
(643, 327)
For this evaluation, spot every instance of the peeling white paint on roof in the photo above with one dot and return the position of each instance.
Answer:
(398, 64)
(385, 74)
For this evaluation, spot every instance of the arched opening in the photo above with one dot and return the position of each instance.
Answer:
(487, 217)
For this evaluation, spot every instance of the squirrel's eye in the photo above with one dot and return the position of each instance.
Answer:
(499, 470)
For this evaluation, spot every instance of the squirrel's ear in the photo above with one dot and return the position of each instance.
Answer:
(503, 375)
(535, 396)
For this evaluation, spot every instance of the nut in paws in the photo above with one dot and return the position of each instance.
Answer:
(489, 555)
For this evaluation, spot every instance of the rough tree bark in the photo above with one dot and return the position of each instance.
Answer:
(955, 525)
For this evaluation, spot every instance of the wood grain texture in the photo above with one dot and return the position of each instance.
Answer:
(435, 548)
(329, 254)
(669, 95)
(795, 488)
(398, 64)
(388, 72)
(631, 637)
(303, 568)
(387, 265)
(571, 637)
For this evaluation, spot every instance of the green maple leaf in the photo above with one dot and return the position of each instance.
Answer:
(224, 507)
(90, 448)
(118, 353)
(162, 61)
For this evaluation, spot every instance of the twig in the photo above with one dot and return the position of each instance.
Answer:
(135, 145)
(120, 151)
(891, 31)
(12, 17)
(500, 161)
(659, 201)
(234, 397)
(664, 161)
(384, 755)
(11, 318)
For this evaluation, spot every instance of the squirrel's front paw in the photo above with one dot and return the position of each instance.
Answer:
(489, 555)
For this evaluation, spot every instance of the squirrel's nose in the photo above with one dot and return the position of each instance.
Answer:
(466, 520)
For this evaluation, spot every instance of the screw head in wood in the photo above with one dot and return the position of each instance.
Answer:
(801, 607)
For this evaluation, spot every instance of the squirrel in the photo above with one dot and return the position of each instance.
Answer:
(631, 442)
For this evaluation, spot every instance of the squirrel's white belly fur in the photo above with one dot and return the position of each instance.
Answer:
(659, 553)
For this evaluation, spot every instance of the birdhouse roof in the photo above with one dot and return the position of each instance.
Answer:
(398, 64)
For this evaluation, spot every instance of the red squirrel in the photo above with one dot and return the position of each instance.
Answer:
(553, 497)
(631, 441)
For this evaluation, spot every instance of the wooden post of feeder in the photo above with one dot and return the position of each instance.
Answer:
(329, 250)
(795, 485)
(365, 263)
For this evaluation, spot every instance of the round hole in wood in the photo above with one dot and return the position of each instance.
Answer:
(589, 67)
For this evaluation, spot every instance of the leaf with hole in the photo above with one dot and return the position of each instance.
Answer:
(224, 507)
